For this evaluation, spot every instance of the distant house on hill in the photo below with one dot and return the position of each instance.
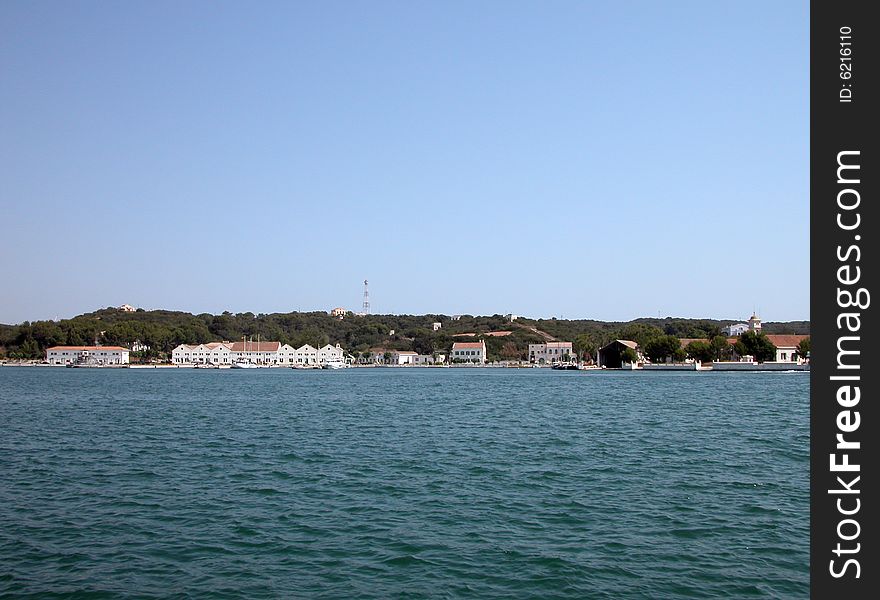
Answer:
(127, 308)
(754, 324)
(139, 346)
(735, 329)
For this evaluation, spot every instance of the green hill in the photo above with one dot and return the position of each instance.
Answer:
(162, 330)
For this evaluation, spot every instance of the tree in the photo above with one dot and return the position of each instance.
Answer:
(422, 343)
(756, 345)
(803, 348)
(640, 333)
(700, 351)
(585, 346)
(510, 351)
(720, 348)
(629, 356)
(658, 349)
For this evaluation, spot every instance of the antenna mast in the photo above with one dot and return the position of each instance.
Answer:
(366, 308)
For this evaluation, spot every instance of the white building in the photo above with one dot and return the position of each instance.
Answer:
(263, 353)
(736, 329)
(139, 346)
(306, 355)
(127, 308)
(437, 326)
(429, 359)
(787, 347)
(407, 357)
(286, 355)
(403, 357)
(474, 352)
(338, 312)
(217, 353)
(89, 355)
(330, 353)
(551, 352)
(754, 324)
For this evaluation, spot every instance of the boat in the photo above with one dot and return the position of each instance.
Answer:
(334, 364)
(565, 367)
(245, 365)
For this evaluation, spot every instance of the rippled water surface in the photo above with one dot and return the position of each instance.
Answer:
(379, 483)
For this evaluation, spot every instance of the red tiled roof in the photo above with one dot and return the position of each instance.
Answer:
(686, 341)
(786, 341)
(256, 347)
(89, 348)
(466, 345)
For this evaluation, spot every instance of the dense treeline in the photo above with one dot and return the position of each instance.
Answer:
(162, 330)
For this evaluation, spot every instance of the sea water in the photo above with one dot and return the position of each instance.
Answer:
(403, 482)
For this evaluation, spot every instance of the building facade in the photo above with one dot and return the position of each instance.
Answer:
(87, 355)
(787, 347)
(551, 352)
(330, 353)
(736, 329)
(217, 353)
(262, 353)
(403, 357)
(754, 324)
(407, 357)
(470, 352)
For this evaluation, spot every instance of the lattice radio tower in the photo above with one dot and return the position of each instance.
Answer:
(366, 308)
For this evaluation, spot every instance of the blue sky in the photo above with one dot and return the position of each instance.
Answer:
(604, 160)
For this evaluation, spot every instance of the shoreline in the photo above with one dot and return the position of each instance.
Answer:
(660, 368)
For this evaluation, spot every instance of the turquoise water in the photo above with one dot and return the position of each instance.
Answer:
(410, 483)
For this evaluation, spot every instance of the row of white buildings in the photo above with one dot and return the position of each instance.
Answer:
(263, 353)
